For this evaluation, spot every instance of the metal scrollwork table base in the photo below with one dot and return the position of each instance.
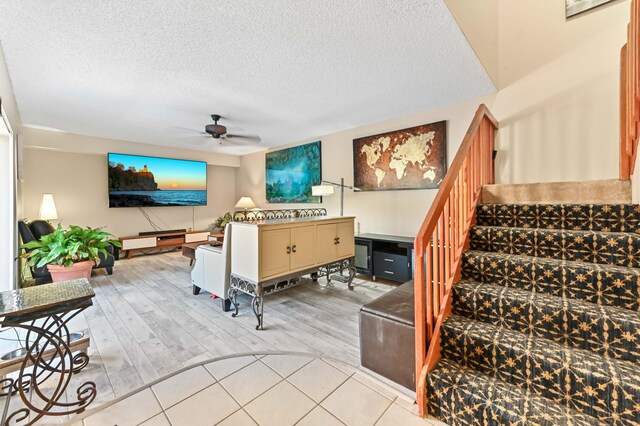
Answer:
(257, 290)
(44, 313)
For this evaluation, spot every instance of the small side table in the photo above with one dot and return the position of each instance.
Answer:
(44, 312)
(189, 250)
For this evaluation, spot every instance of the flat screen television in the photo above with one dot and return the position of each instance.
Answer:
(139, 181)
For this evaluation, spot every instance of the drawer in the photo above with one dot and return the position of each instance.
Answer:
(391, 266)
(193, 238)
(138, 243)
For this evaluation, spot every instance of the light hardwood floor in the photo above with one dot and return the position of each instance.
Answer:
(145, 323)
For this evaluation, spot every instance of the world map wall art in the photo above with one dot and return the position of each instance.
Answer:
(290, 174)
(413, 158)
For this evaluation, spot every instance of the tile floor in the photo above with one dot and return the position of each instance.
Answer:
(277, 389)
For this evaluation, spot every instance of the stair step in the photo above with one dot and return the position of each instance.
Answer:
(605, 330)
(599, 284)
(461, 396)
(577, 217)
(613, 248)
(601, 387)
(611, 191)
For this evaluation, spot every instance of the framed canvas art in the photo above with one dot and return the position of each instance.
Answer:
(291, 172)
(574, 7)
(413, 158)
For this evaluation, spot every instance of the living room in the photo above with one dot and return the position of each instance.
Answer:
(78, 83)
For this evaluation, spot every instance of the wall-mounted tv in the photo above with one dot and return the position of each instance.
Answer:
(138, 181)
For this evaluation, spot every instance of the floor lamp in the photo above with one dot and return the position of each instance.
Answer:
(324, 190)
(328, 189)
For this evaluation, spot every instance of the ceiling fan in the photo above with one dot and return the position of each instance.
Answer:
(218, 131)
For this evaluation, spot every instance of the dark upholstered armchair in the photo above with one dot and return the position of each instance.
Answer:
(36, 229)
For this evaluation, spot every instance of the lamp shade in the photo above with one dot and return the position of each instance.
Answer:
(321, 190)
(48, 208)
(245, 203)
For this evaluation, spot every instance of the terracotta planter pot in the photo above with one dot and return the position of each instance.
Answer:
(77, 270)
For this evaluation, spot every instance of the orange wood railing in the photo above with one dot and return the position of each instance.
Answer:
(630, 94)
(444, 236)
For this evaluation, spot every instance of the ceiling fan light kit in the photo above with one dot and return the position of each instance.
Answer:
(218, 131)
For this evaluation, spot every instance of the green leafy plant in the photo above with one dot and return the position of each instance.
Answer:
(221, 222)
(66, 247)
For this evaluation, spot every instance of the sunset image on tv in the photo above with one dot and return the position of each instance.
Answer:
(137, 181)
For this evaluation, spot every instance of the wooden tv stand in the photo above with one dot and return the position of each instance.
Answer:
(160, 240)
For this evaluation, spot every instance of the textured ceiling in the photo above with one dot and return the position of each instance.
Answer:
(149, 71)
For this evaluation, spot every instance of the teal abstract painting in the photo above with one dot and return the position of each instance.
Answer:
(291, 172)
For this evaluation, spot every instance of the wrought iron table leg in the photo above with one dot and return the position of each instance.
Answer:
(49, 356)
(257, 303)
(352, 274)
(233, 297)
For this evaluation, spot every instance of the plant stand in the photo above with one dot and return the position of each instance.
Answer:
(44, 312)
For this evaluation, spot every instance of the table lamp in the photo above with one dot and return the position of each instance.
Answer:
(245, 203)
(48, 208)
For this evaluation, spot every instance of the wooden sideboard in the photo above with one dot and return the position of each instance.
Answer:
(265, 250)
(270, 255)
(160, 240)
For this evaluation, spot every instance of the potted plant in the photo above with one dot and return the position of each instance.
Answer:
(70, 253)
(221, 222)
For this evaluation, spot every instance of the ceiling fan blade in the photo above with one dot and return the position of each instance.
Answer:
(255, 138)
(187, 131)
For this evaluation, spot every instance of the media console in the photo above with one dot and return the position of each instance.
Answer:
(384, 256)
(160, 239)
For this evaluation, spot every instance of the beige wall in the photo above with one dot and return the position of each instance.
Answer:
(385, 212)
(73, 168)
(558, 85)
(558, 98)
(78, 183)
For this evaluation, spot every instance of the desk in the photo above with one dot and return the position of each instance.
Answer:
(384, 256)
(44, 312)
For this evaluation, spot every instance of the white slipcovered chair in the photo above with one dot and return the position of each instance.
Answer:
(212, 269)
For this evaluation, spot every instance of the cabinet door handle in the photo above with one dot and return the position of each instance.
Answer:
(288, 250)
(388, 260)
(335, 241)
(388, 272)
(338, 239)
(293, 249)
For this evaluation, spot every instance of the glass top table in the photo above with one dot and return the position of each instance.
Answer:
(43, 313)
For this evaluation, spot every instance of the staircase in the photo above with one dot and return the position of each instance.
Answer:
(545, 321)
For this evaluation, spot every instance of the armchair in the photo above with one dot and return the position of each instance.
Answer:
(212, 269)
(36, 229)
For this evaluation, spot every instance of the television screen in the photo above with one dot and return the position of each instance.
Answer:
(137, 181)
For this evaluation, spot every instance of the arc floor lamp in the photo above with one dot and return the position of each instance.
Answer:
(328, 189)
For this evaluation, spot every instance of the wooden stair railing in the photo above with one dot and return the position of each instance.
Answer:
(630, 94)
(443, 237)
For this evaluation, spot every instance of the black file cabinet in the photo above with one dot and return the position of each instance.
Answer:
(384, 256)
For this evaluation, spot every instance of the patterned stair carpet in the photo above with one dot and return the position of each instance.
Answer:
(545, 325)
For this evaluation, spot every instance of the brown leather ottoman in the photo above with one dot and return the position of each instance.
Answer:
(387, 334)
